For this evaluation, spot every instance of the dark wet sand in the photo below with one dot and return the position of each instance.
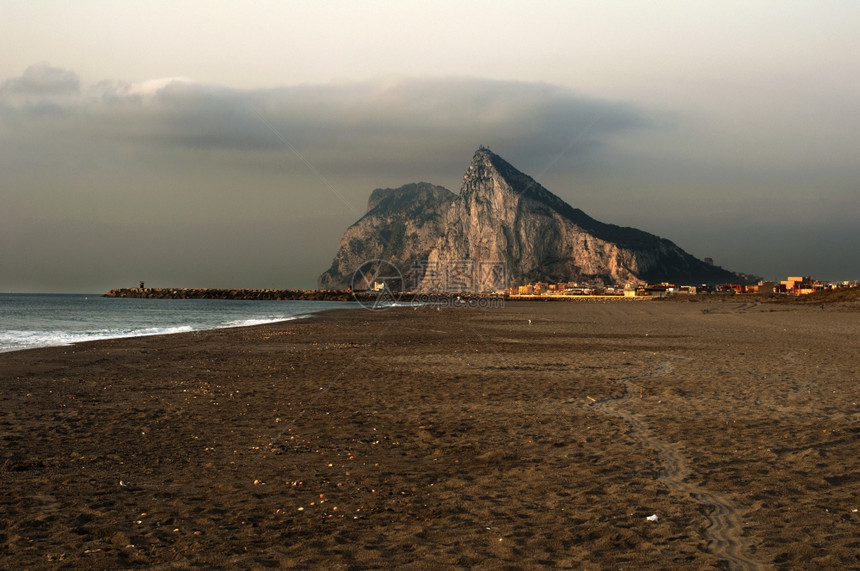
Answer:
(453, 439)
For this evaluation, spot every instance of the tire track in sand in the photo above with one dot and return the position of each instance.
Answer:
(723, 533)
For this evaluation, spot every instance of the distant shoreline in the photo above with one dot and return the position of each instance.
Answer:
(282, 294)
(334, 295)
(849, 297)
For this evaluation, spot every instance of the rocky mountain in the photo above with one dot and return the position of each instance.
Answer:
(400, 225)
(506, 229)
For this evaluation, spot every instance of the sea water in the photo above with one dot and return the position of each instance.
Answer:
(43, 320)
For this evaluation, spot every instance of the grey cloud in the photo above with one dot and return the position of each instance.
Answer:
(42, 79)
(360, 122)
(378, 118)
(41, 91)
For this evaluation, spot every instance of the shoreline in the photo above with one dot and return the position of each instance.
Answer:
(81, 320)
(532, 435)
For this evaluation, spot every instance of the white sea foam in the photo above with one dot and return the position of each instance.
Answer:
(257, 321)
(18, 340)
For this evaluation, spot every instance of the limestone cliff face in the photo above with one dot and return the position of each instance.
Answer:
(505, 229)
(505, 216)
(401, 225)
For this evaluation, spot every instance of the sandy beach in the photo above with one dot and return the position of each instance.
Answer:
(626, 435)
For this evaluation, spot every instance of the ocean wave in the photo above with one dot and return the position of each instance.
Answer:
(17, 340)
(257, 321)
(29, 321)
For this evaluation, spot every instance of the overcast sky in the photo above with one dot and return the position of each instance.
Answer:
(230, 144)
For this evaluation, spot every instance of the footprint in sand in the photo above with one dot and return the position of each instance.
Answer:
(724, 532)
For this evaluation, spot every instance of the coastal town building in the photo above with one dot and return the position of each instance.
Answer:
(799, 285)
(794, 285)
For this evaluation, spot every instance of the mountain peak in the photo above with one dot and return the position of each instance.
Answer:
(483, 152)
(485, 163)
(489, 174)
(492, 182)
